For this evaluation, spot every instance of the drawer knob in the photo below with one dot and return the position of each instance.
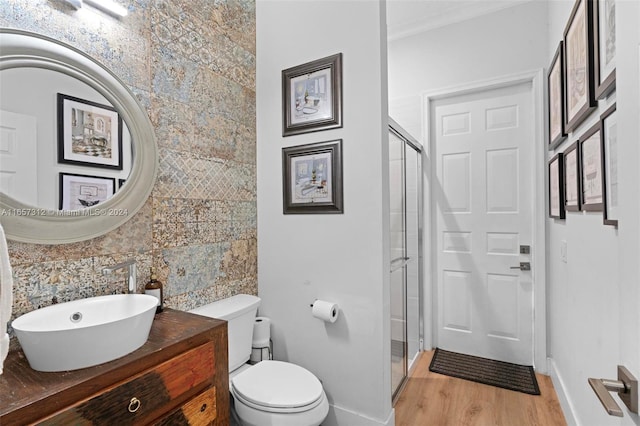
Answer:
(203, 408)
(134, 404)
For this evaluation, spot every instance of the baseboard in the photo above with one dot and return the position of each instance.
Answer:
(413, 363)
(565, 402)
(339, 416)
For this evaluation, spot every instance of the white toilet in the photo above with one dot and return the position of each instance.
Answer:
(269, 392)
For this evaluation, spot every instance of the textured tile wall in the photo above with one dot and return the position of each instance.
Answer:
(191, 63)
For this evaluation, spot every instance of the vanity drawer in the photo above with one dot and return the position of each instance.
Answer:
(200, 411)
(146, 396)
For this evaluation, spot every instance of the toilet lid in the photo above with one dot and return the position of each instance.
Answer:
(278, 385)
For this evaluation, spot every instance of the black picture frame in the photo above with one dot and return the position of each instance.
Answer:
(312, 96)
(556, 187)
(579, 92)
(555, 87)
(312, 178)
(604, 47)
(89, 133)
(571, 160)
(609, 135)
(78, 191)
(592, 192)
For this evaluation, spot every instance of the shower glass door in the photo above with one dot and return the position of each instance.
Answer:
(405, 241)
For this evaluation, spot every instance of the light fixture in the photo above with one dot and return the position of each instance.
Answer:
(108, 6)
(76, 4)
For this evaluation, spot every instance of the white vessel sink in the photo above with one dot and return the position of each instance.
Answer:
(86, 332)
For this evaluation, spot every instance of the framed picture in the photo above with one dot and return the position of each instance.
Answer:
(312, 96)
(572, 178)
(81, 192)
(591, 169)
(578, 65)
(121, 183)
(89, 134)
(312, 178)
(556, 105)
(604, 46)
(556, 187)
(609, 133)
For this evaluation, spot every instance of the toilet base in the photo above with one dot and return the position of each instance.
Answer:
(250, 416)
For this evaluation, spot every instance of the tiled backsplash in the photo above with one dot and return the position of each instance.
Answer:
(192, 65)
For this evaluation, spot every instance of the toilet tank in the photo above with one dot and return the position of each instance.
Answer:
(240, 313)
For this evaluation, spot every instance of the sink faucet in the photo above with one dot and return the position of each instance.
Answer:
(131, 266)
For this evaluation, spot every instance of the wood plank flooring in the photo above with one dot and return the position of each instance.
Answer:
(436, 400)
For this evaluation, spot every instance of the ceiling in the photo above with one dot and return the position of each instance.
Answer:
(409, 17)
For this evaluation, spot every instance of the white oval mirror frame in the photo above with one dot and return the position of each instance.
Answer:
(25, 223)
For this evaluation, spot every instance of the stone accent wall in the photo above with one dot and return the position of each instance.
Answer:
(191, 63)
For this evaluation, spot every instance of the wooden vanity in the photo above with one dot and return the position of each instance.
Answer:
(180, 376)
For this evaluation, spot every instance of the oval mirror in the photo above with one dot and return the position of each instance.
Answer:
(78, 156)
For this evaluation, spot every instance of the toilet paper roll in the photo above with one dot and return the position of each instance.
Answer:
(261, 332)
(326, 311)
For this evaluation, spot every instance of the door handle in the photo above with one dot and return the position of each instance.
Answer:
(626, 386)
(399, 262)
(524, 266)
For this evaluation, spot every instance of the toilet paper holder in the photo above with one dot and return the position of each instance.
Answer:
(261, 341)
(325, 311)
(257, 353)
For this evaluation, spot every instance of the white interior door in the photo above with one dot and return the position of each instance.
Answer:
(483, 145)
(18, 157)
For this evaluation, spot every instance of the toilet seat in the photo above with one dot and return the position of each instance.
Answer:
(278, 387)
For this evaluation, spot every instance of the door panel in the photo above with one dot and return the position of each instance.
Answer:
(456, 182)
(457, 303)
(482, 151)
(18, 154)
(502, 181)
(503, 301)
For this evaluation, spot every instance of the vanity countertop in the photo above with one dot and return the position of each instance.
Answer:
(27, 395)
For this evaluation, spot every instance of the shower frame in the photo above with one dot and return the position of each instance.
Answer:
(400, 263)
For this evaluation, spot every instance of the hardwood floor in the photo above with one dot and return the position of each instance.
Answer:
(436, 400)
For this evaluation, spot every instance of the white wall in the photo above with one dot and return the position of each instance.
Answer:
(340, 258)
(593, 298)
(509, 41)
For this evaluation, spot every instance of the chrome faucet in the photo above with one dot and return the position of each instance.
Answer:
(131, 279)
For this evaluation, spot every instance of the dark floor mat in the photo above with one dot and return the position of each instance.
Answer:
(505, 375)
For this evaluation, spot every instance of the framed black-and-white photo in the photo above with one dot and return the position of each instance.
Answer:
(609, 132)
(604, 46)
(81, 191)
(591, 169)
(312, 96)
(578, 65)
(556, 103)
(572, 178)
(556, 187)
(89, 134)
(312, 178)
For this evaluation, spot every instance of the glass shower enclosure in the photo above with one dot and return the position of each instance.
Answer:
(405, 184)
